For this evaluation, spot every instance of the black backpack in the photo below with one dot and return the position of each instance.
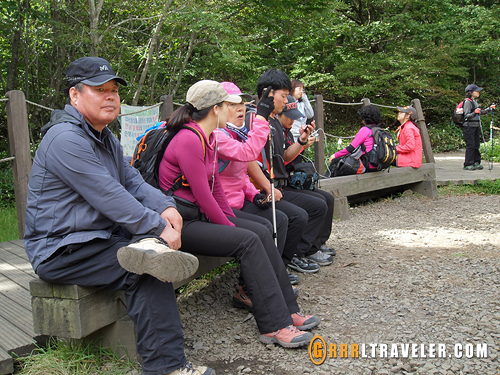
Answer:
(149, 152)
(458, 113)
(384, 153)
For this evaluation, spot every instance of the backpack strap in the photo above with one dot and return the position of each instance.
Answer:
(180, 180)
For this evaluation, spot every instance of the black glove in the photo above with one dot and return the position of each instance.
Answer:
(260, 201)
(266, 104)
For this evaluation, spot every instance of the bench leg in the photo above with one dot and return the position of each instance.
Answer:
(340, 206)
(427, 188)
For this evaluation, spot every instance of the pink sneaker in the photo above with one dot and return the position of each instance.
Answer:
(304, 322)
(241, 300)
(288, 337)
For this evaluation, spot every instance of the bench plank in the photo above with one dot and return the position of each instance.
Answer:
(16, 261)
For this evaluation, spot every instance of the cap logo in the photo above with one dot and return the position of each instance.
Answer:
(291, 106)
(104, 67)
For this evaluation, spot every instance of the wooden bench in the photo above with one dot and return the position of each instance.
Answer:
(71, 312)
(365, 186)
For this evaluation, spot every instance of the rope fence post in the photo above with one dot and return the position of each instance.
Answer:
(424, 134)
(319, 147)
(19, 146)
(167, 106)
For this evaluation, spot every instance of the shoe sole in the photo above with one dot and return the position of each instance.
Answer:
(241, 305)
(171, 266)
(274, 340)
(321, 263)
(298, 269)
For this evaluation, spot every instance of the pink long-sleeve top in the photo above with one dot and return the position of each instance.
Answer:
(184, 155)
(410, 146)
(234, 178)
(364, 136)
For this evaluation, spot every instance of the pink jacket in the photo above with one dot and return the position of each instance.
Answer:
(234, 178)
(410, 146)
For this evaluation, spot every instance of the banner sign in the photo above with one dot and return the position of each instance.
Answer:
(135, 125)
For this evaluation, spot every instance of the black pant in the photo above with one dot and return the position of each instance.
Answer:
(296, 220)
(261, 266)
(319, 206)
(151, 303)
(472, 142)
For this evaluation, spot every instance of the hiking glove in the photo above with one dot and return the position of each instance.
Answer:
(266, 104)
(260, 200)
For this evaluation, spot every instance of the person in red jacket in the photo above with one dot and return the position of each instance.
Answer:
(410, 143)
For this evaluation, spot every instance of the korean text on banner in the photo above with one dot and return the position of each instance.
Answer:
(134, 125)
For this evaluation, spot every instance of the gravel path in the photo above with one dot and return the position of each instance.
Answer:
(408, 271)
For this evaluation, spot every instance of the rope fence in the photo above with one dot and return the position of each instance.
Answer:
(7, 159)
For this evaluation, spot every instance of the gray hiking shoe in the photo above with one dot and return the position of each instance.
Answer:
(321, 258)
(154, 257)
(190, 369)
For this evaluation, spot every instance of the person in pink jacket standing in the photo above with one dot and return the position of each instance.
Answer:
(410, 143)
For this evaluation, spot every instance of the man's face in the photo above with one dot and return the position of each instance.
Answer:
(236, 114)
(280, 100)
(99, 105)
(285, 121)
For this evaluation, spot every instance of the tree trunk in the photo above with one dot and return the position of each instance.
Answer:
(151, 51)
(94, 13)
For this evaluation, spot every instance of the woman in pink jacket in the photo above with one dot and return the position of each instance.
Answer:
(410, 143)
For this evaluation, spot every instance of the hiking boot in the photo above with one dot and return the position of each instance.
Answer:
(294, 279)
(241, 300)
(302, 264)
(288, 337)
(190, 369)
(470, 168)
(153, 256)
(320, 258)
(328, 250)
(304, 322)
(478, 166)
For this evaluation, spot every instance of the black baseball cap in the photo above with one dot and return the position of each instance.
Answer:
(92, 71)
(473, 87)
(291, 109)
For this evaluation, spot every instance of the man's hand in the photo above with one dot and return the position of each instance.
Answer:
(493, 106)
(266, 104)
(172, 232)
(478, 110)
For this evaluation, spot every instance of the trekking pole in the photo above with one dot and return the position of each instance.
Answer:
(491, 136)
(271, 172)
(484, 141)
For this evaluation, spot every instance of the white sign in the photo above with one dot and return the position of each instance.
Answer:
(135, 125)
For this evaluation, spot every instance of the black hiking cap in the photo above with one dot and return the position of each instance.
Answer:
(92, 71)
(473, 87)
(291, 109)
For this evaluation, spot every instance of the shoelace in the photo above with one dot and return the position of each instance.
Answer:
(188, 367)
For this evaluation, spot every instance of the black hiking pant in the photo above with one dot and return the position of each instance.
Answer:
(472, 142)
(151, 303)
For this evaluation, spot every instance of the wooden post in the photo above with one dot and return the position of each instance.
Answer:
(19, 145)
(366, 102)
(167, 106)
(426, 141)
(319, 147)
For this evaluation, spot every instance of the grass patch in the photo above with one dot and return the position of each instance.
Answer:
(60, 358)
(483, 187)
(8, 224)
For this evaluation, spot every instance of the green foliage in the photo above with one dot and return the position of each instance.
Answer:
(446, 138)
(64, 358)
(492, 149)
(8, 224)
(488, 187)
(7, 198)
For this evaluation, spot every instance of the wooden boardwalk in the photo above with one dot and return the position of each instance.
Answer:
(16, 323)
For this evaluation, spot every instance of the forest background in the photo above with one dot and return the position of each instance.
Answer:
(390, 51)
